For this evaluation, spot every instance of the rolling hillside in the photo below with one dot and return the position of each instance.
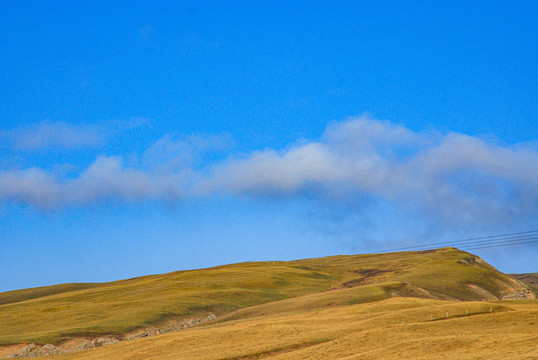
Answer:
(530, 279)
(75, 316)
(396, 328)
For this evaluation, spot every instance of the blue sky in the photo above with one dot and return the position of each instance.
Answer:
(140, 138)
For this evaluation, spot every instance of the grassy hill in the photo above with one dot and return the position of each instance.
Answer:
(59, 313)
(395, 328)
(9, 297)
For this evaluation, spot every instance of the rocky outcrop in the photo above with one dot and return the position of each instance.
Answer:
(33, 350)
(172, 326)
(77, 344)
(514, 290)
(518, 291)
(520, 295)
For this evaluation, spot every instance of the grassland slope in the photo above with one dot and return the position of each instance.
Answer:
(396, 328)
(48, 315)
(14, 296)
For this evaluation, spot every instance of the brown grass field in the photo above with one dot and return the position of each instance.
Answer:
(397, 328)
(377, 306)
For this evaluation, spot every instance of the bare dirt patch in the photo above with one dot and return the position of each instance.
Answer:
(426, 251)
(366, 274)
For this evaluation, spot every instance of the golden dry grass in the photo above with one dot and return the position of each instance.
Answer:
(397, 328)
(50, 315)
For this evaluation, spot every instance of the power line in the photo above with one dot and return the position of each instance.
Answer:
(500, 240)
(501, 244)
(480, 242)
(464, 240)
(509, 238)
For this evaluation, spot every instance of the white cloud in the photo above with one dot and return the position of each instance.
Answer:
(165, 173)
(31, 186)
(277, 173)
(108, 179)
(454, 180)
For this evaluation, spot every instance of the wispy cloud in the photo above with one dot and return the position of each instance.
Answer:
(178, 152)
(65, 135)
(454, 180)
(46, 135)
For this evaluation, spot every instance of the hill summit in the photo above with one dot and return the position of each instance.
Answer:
(128, 309)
